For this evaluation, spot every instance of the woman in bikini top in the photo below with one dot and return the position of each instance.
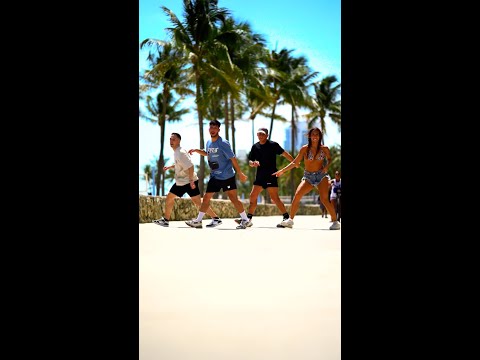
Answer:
(316, 158)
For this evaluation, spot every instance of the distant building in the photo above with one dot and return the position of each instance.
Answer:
(301, 137)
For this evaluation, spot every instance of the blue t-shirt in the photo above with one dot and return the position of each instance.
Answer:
(220, 152)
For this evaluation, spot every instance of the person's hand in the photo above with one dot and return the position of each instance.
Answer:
(278, 173)
(191, 151)
(192, 184)
(243, 177)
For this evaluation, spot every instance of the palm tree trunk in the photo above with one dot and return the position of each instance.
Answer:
(232, 112)
(271, 121)
(162, 121)
(227, 122)
(294, 136)
(201, 172)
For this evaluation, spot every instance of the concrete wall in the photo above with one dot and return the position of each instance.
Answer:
(152, 207)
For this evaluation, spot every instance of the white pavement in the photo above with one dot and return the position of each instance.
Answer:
(263, 293)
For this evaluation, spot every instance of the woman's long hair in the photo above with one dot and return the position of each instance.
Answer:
(320, 142)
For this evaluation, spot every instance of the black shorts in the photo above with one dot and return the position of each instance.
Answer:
(214, 185)
(266, 180)
(180, 190)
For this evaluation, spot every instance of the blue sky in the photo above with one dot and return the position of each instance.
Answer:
(311, 27)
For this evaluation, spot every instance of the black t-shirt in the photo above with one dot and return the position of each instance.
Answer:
(266, 154)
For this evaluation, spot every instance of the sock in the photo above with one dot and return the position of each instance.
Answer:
(244, 216)
(164, 218)
(285, 216)
(249, 216)
(216, 217)
(200, 216)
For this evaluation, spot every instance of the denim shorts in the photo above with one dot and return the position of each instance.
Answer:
(314, 178)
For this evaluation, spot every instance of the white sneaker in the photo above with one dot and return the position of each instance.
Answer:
(335, 226)
(214, 222)
(194, 224)
(287, 223)
(244, 224)
(239, 221)
(161, 222)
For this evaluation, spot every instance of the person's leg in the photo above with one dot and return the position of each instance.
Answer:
(256, 190)
(273, 192)
(303, 188)
(339, 208)
(232, 195)
(197, 223)
(206, 202)
(198, 203)
(169, 202)
(323, 189)
(197, 200)
(333, 201)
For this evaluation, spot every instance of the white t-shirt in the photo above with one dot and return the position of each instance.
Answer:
(335, 184)
(183, 162)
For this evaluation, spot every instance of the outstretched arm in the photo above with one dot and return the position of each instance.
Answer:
(198, 151)
(295, 163)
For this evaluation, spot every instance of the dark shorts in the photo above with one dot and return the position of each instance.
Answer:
(214, 185)
(266, 180)
(180, 190)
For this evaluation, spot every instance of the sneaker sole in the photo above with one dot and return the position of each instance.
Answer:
(195, 227)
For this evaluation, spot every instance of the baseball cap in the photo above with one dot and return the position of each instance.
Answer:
(263, 131)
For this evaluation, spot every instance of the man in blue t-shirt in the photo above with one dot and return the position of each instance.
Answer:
(222, 161)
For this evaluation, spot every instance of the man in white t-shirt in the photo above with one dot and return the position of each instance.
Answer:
(186, 181)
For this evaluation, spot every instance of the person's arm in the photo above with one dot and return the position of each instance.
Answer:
(190, 176)
(165, 168)
(295, 163)
(252, 158)
(287, 156)
(198, 151)
(326, 150)
(241, 175)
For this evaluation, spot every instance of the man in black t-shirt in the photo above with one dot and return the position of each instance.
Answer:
(263, 156)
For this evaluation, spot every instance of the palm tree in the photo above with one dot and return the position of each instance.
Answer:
(196, 35)
(166, 63)
(279, 67)
(162, 113)
(325, 103)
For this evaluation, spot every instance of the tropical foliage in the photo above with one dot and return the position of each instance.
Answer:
(227, 68)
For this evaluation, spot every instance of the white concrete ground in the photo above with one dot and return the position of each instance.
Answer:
(263, 293)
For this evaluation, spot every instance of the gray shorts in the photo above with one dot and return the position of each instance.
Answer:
(314, 178)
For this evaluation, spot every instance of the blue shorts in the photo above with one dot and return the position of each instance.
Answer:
(314, 178)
